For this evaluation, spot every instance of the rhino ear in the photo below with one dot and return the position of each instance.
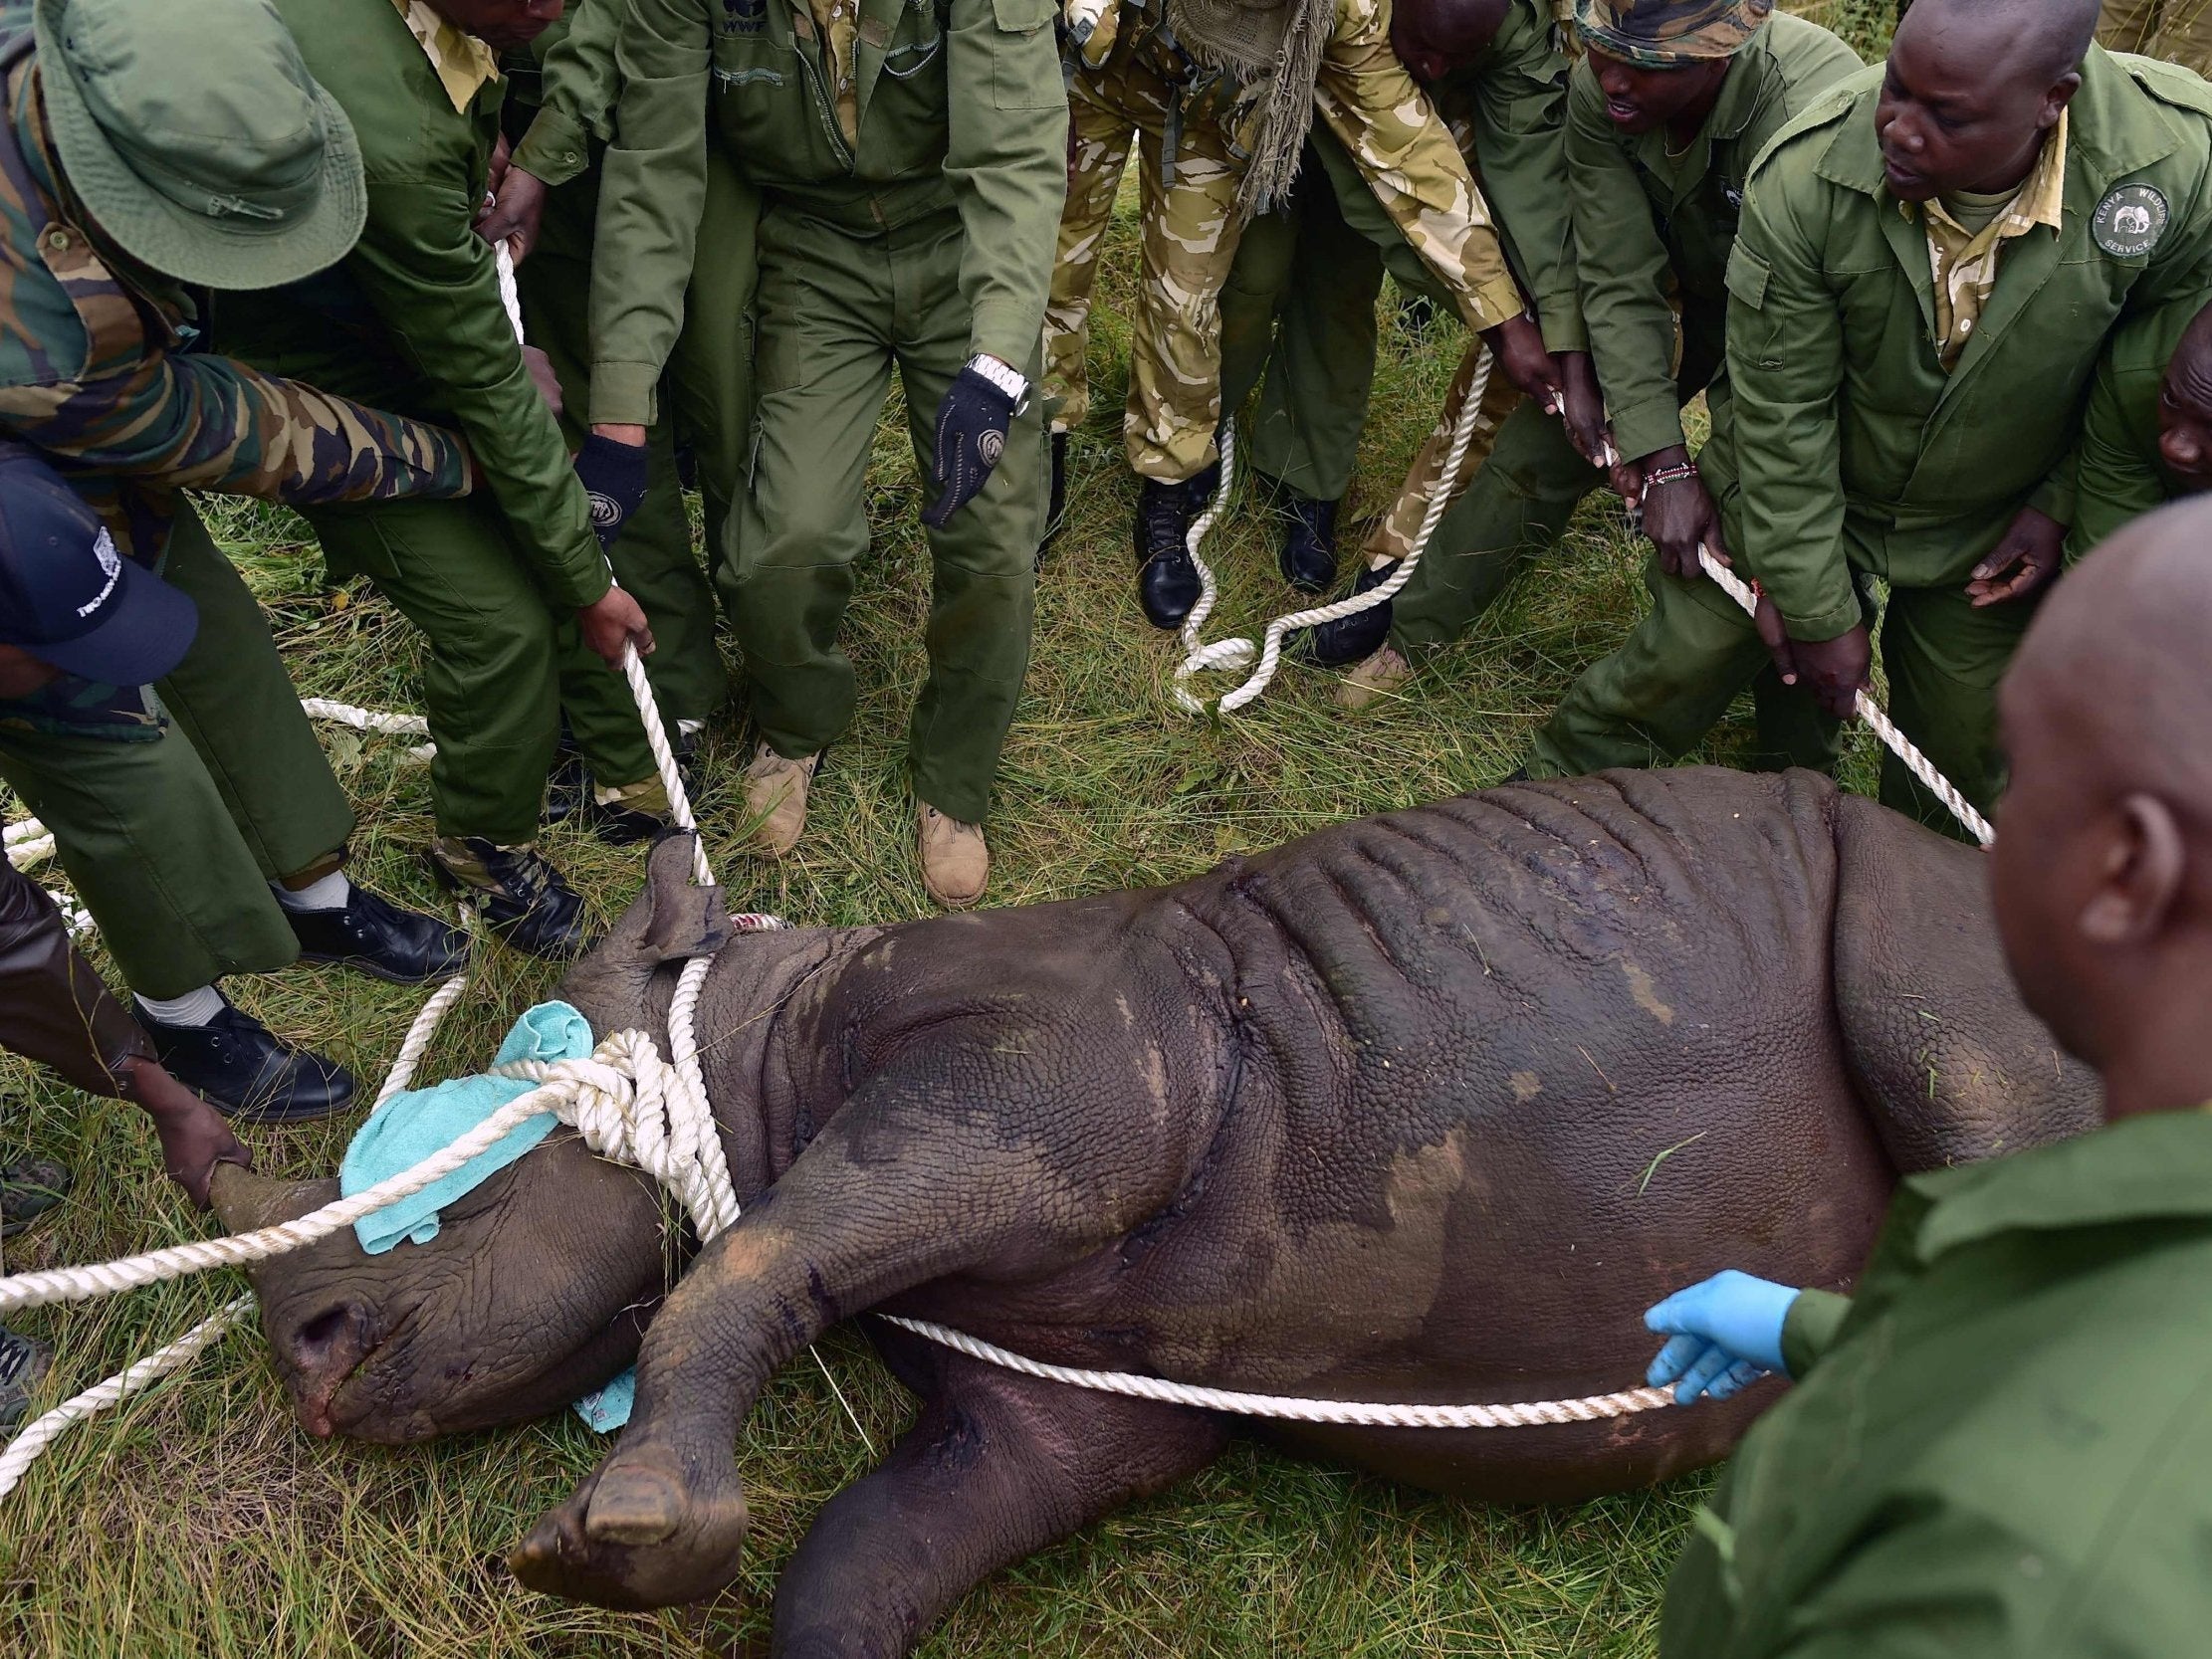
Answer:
(672, 919)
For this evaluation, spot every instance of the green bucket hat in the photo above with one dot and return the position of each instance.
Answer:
(195, 134)
(1670, 34)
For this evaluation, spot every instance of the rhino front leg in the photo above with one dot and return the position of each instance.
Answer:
(902, 1188)
(995, 1468)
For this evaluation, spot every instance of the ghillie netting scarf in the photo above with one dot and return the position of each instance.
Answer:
(1274, 47)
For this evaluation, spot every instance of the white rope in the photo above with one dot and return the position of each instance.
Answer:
(1234, 653)
(1394, 1414)
(1876, 718)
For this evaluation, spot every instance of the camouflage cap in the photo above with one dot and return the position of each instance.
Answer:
(193, 133)
(1670, 34)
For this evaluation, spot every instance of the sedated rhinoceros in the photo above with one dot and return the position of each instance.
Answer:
(1425, 1107)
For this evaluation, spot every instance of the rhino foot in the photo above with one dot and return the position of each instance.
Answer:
(638, 1534)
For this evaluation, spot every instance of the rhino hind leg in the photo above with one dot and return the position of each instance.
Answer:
(1949, 1060)
(995, 1468)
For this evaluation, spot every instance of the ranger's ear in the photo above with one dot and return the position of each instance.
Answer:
(680, 919)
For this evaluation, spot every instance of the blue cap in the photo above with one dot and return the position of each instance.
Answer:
(66, 596)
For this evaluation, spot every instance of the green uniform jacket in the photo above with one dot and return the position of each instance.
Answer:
(413, 318)
(1855, 448)
(1508, 111)
(2002, 1449)
(98, 370)
(2122, 475)
(568, 74)
(1653, 228)
(961, 105)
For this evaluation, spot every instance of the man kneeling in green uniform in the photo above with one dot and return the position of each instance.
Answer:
(2146, 438)
(511, 589)
(1930, 261)
(2000, 1447)
(911, 160)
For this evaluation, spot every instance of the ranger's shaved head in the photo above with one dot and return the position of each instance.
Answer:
(2053, 36)
(2103, 872)
(1435, 37)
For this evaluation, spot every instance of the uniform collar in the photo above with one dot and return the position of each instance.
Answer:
(2106, 137)
(2156, 1168)
(465, 64)
(1739, 93)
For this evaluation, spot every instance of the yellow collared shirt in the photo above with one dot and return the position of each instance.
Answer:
(465, 64)
(1964, 263)
(840, 24)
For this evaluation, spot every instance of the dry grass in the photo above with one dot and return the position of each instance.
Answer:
(199, 1521)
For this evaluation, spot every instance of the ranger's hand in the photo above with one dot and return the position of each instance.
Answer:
(614, 476)
(1724, 1334)
(614, 622)
(542, 377)
(1678, 514)
(515, 214)
(1584, 407)
(194, 1137)
(1518, 346)
(1835, 671)
(971, 425)
(2030, 552)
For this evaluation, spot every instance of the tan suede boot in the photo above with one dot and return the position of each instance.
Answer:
(1379, 676)
(956, 859)
(775, 794)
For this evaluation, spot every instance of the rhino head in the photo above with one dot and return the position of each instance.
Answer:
(541, 1282)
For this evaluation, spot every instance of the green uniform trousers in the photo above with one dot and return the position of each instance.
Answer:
(171, 843)
(706, 400)
(837, 312)
(500, 666)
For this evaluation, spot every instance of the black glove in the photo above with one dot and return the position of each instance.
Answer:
(614, 475)
(972, 427)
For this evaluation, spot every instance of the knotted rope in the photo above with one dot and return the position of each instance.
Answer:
(1234, 653)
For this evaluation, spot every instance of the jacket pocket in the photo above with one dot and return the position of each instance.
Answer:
(1024, 59)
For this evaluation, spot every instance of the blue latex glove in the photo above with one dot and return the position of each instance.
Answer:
(1725, 1334)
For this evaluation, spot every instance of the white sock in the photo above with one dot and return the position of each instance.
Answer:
(329, 894)
(193, 1008)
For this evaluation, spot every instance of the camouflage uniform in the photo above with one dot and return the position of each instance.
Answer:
(2179, 30)
(1387, 129)
(171, 837)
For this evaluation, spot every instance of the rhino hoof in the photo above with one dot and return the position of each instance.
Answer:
(635, 1536)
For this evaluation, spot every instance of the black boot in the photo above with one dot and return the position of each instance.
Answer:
(23, 1367)
(375, 936)
(1167, 581)
(1355, 638)
(237, 1065)
(1056, 506)
(1307, 556)
(522, 898)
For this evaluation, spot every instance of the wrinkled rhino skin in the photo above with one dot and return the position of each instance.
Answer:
(1425, 1107)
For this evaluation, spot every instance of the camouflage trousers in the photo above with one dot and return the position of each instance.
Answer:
(2179, 30)
(1188, 240)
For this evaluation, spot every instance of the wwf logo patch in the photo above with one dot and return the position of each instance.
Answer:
(744, 17)
(2131, 221)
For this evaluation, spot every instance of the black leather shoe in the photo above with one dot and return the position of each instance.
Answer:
(1167, 581)
(522, 898)
(1056, 506)
(1307, 556)
(375, 936)
(237, 1065)
(1355, 638)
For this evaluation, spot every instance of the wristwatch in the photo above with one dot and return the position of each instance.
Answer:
(1005, 378)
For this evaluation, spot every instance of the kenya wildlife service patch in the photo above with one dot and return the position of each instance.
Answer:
(2131, 221)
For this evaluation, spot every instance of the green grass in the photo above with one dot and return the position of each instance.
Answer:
(199, 1521)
